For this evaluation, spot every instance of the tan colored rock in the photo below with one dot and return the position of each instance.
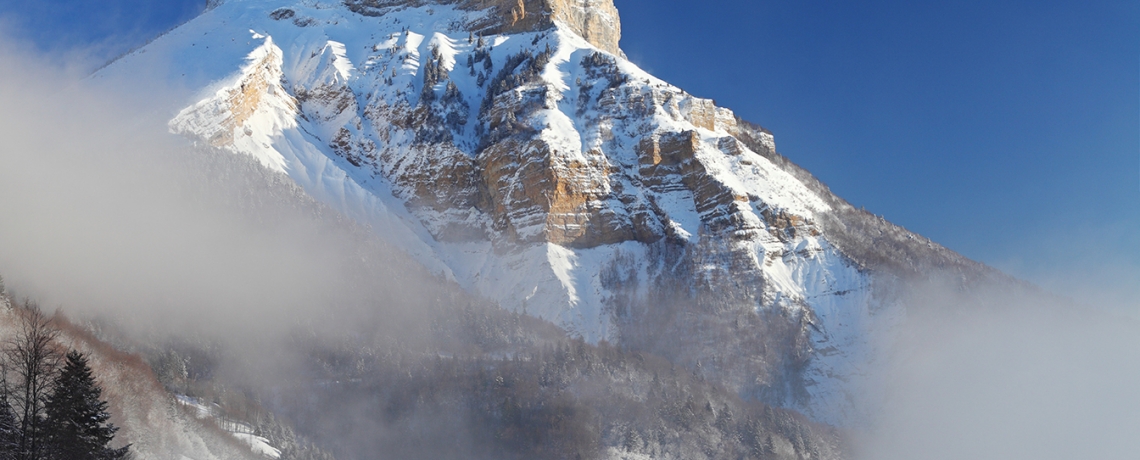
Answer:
(537, 195)
(517, 183)
(246, 97)
(666, 158)
(595, 20)
(579, 213)
(703, 113)
(725, 119)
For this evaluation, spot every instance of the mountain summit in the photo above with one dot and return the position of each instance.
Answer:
(510, 146)
(594, 20)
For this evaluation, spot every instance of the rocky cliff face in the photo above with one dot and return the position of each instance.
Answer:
(594, 20)
(510, 146)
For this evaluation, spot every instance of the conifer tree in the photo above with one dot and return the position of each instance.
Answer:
(77, 419)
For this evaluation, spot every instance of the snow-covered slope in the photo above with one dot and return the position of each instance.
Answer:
(512, 148)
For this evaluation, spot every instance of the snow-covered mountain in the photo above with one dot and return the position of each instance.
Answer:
(511, 147)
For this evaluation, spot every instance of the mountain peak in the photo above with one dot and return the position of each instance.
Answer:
(552, 178)
(595, 20)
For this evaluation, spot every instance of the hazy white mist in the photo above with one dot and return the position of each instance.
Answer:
(1003, 374)
(104, 213)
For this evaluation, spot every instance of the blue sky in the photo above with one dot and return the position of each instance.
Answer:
(1008, 131)
(92, 32)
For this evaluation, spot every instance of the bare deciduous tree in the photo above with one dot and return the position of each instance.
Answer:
(33, 358)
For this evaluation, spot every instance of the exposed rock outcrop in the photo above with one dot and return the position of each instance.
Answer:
(595, 20)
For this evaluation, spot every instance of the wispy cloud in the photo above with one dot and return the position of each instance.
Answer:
(105, 213)
(1005, 374)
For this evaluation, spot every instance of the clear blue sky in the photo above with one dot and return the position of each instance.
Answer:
(1008, 131)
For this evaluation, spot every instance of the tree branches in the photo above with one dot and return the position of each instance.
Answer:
(32, 358)
(46, 413)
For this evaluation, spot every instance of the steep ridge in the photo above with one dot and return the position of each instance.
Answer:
(510, 146)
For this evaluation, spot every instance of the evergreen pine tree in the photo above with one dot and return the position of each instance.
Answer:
(77, 426)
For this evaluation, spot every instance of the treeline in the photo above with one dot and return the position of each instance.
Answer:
(51, 408)
(492, 384)
(518, 393)
(571, 401)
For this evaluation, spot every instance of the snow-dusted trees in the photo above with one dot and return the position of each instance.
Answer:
(434, 72)
(77, 425)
